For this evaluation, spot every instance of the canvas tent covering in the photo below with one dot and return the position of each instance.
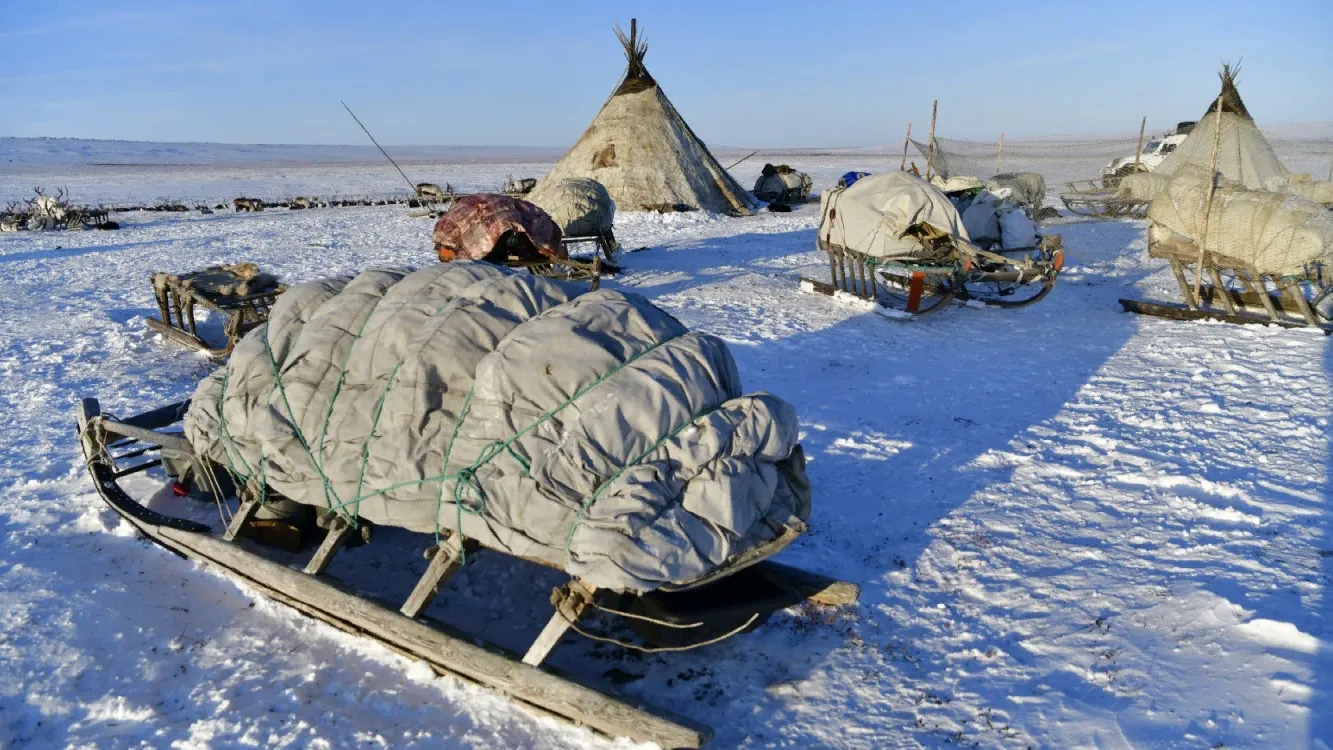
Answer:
(880, 214)
(1244, 155)
(477, 225)
(1274, 233)
(589, 430)
(580, 206)
(642, 150)
(782, 184)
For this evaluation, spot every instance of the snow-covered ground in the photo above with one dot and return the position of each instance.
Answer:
(1072, 527)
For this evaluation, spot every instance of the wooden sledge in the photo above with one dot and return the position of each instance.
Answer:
(178, 296)
(754, 581)
(1004, 279)
(1230, 290)
(1087, 198)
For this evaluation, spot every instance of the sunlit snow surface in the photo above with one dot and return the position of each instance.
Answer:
(1072, 527)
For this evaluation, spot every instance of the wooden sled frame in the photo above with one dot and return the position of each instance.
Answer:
(176, 320)
(927, 289)
(402, 629)
(1087, 198)
(1239, 287)
(605, 243)
(565, 269)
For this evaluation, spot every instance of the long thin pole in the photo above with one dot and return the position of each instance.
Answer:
(381, 148)
(930, 153)
(1208, 208)
(999, 157)
(908, 140)
(1138, 152)
(752, 153)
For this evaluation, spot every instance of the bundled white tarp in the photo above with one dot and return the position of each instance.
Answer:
(997, 220)
(1303, 186)
(1027, 188)
(782, 184)
(1141, 186)
(1275, 233)
(876, 214)
(580, 206)
(590, 430)
(955, 183)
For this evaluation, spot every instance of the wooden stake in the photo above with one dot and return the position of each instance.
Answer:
(930, 152)
(908, 140)
(999, 167)
(1208, 204)
(1138, 152)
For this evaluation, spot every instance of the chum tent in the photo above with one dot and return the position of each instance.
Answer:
(641, 149)
(1243, 153)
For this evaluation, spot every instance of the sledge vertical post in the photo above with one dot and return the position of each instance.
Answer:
(1208, 204)
(339, 529)
(1138, 152)
(930, 151)
(908, 140)
(446, 559)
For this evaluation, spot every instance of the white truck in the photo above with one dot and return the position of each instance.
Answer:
(1154, 152)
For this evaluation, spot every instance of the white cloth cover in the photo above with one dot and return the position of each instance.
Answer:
(874, 215)
(1243, 153)
(955, 183)
(783, 187)
(1275, 233)
(1141, 186)
(1029, 188)
(590, 430)
(580, 206)
(1303, 186)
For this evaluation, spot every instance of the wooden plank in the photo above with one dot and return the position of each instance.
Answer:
(815, 587)
(244, 514)
(1175, 311)
(329, 602)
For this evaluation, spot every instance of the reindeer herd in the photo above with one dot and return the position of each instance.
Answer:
(44, 212)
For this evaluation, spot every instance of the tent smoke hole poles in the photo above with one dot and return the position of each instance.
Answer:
(115, 448)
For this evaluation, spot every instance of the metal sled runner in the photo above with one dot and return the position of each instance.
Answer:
(1231, 290)
(1002, 278)
(736, 599)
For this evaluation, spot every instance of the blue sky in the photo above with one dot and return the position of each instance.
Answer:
(763, 74)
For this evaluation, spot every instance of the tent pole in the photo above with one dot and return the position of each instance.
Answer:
(1208, 205)
(930, 152)
(908, 140)
(381, 148)
(999, 157)
(1138, 152)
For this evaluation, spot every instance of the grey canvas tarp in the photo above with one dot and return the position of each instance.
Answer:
(589, 430)
(580, 206)
(1275, 233)
(875, 215)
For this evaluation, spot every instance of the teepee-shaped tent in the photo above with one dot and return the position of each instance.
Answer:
(642, 150)
(1243, 153)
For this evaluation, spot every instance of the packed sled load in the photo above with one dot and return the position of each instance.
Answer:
(477, 226)
(883, 215)
(782, 184)
(580, 206)
(1273, 233)
(1028, 189)
(588, 430)
(643, 151)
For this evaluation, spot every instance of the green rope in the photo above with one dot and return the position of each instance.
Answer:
(466, 487)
